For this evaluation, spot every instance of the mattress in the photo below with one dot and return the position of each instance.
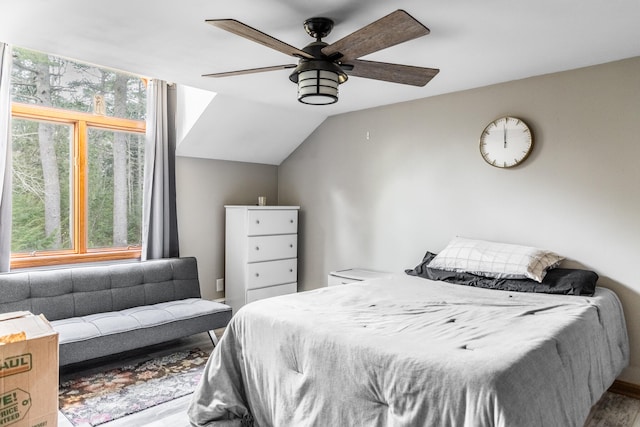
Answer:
(407, 351)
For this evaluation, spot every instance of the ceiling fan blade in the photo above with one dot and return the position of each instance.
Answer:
(395, 73)
(250, 71)
(397, 27)
(243, 30)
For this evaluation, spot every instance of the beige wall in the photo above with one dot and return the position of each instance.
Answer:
(419, 180)
(203, 187)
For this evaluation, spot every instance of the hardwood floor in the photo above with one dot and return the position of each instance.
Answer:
(613, 410)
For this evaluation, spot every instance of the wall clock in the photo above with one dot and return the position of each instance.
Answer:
(506, 142)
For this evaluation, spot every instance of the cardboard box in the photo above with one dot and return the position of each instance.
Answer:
(28, 371)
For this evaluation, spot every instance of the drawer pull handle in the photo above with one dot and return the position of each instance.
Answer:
(257, 274)
(290, 245)
(257, 221)
(257, 248)
(291, 221)
(291, 270)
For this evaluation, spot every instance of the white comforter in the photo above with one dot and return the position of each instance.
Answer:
(408, 351)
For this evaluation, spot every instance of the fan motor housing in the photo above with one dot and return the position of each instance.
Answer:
(318, 27)
(320, 62)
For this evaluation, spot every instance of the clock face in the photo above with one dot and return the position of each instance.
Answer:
(506, 142)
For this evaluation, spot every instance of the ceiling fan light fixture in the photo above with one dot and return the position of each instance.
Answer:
(321, 66)
(318, 87)
(318, 82)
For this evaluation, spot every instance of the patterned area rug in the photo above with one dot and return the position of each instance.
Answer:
(106, 396)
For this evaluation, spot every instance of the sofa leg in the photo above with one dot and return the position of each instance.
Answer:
(213, 337)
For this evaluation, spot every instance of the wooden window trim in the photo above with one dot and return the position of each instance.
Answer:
(37, 112)
(81, 122)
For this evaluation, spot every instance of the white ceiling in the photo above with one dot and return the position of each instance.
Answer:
(474, 43)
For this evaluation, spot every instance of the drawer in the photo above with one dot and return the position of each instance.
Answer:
(264, 222)
(271, 291)
(267, 248)
(261, 274)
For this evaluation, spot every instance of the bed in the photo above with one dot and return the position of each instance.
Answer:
(410, 351)
(481, 334)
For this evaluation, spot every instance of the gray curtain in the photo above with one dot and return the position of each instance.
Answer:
(159, 221)
(5, 157)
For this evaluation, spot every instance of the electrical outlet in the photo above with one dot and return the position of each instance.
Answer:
(220, 285)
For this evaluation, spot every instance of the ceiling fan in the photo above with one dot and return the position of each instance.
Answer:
(322, 67)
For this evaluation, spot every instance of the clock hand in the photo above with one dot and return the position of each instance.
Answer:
(504, 134)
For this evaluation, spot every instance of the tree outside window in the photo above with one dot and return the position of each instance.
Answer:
(78, 157)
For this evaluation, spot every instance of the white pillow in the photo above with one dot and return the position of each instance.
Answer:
(499, 260)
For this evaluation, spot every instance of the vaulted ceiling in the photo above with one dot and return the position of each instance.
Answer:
(256, 117)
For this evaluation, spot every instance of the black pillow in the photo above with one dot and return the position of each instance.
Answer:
(565, 281)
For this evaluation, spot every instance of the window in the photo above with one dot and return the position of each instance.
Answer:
(78, 156)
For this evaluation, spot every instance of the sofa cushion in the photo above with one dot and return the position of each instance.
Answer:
(86, 303)
(157, 292)
(75, 329)
(186, 308)
(15, 293)
(52, 293)
(112, 322)
(148, 316)
(54, 308)
(127, 297)
(157, 271)
(51, 283)
(185, 276)
(85, 279)
(14, 287)
(126, 275)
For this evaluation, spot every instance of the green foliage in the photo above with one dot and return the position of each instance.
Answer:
(46, 80)
(28, 232)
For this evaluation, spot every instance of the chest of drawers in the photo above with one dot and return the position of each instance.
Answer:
(261, 253)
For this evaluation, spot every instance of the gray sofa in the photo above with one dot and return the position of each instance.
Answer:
(106, 309)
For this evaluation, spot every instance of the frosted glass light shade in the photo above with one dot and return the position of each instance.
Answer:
(318, 87)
